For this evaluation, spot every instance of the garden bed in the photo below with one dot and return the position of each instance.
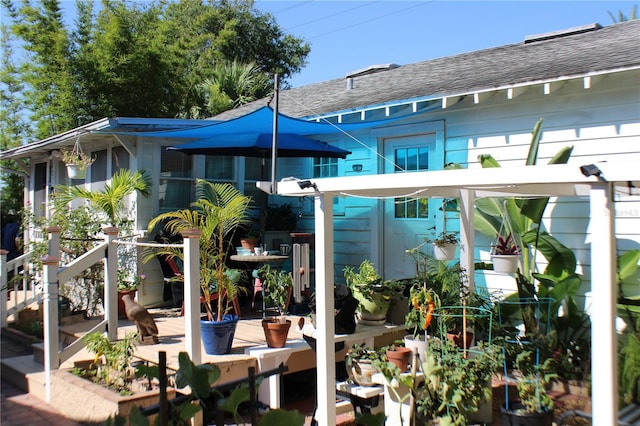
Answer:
(84, 401)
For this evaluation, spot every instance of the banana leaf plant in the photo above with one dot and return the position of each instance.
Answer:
(523, 218)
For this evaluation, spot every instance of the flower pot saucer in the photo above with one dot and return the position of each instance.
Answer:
(371, 322)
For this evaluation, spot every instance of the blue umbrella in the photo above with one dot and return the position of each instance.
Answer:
(260, 144)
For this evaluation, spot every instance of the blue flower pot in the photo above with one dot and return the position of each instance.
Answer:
(217, 336)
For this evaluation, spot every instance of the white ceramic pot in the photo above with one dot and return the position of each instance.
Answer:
(444, 252)
(505, 263)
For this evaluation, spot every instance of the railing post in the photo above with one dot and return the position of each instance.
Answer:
(191, 239)
(111, 283)
(51, 337)
(3, 288)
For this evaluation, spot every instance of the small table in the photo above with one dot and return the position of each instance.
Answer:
(256, 262)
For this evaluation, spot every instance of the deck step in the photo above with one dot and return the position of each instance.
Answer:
(20, 371)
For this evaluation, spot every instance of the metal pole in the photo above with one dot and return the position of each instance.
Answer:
(274, 146)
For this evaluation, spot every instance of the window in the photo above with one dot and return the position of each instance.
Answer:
(119, 159)
(325, 167)
(176, 189)
(412, 159)
(218, 167)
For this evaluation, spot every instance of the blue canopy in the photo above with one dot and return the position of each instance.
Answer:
(259, 121)
(259, 145)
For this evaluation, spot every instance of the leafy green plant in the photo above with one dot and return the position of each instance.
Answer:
(534, 376)
(276, 285)
(367, 281)
(454, 385)
(219, 211)
(116, 372)
(200, 380)
(77, 157)
(361, 352)
(446, 238)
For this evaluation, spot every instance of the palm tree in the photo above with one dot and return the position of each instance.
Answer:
(109, 200)
(232, 84)
(622, 17)
(219, 210)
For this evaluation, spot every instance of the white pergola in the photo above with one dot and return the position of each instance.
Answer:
(597, 182)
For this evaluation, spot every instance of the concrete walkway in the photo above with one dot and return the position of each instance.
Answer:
(20, 408)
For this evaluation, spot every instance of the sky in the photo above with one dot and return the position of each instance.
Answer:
(346, 36)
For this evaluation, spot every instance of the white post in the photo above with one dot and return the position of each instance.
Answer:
(111, 283)
(325, 323)
(604, 365)
(51, 338)
(192, 294)
(467, 235)
(3, 288)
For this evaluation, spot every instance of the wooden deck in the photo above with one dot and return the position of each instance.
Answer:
(249, 334)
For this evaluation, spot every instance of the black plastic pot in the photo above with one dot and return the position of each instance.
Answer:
(516, 415)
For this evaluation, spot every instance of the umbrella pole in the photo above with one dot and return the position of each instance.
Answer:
(274, 147)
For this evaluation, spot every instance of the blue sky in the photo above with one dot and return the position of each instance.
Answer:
(349, 35)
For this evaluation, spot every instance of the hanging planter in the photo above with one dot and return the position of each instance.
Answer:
(77, 161)
(505, 263)
(505, 255)
(444, 247)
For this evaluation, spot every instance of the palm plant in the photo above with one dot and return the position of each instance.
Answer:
(219, 210)
(109, 200)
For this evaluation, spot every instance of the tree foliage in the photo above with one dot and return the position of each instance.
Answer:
(144, 59)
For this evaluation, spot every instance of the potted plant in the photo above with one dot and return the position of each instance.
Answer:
(398, 355)
(218, 212)
(277, 286)
(451, 388)
(535, 406)
(444, 247)
(77, 162)
(424, 302)
(250, 240)
(360, 362)
(373, 295)
(505, 254)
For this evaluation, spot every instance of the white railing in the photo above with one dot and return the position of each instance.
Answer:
(47, 290)
(27, 289)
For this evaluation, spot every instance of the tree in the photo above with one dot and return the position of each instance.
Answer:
(49, 88)
(233, 84)
(622, 17)
(109, 200)
(139, 59)
(14, 127)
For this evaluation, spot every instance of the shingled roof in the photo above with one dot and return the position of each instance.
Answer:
(572, 53)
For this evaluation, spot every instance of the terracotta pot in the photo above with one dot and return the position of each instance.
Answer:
(275, 332)
(249, 243)
(400, 357)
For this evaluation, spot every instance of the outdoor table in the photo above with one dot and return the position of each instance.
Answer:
(256, 262)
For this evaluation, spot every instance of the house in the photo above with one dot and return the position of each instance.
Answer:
(584, 82)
